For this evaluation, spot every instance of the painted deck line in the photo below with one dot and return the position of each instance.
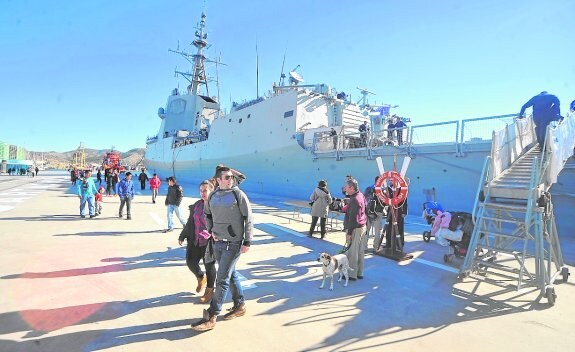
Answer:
(284, 229)
(421, 261)
(437, 265)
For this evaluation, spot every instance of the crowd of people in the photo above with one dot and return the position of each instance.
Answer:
(219, 227)
(23, 171)
(217, 231)
(364, 214)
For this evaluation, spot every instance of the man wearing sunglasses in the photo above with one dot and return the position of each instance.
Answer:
(229, 219)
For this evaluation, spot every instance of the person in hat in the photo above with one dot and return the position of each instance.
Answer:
(126, 194)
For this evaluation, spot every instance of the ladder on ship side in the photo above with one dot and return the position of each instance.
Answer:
(515, 237)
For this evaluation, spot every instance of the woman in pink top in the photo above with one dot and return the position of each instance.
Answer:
(199, 246)
(154, 186)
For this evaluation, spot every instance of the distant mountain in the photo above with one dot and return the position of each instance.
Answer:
(133, 157)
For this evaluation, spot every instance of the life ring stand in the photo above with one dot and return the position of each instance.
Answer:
(395, 181)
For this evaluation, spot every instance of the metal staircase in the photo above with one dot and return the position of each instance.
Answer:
(515, 236)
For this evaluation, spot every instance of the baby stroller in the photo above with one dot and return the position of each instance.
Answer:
(429, 213)
(464, 222)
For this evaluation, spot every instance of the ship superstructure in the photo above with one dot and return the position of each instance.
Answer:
(296, 134)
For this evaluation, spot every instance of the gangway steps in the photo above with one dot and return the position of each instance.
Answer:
(512, 207)
(513, 215)
(515, 182)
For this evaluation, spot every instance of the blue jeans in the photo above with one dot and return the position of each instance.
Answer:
(90, 201)
(227, 255)
(171, 209)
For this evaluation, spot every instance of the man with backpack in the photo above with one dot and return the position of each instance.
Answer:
(229, 219)
(86, 189)
(375, 212)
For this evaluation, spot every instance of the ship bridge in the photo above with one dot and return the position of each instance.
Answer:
(516, 234)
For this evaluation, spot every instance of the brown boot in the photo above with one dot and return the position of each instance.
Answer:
(236, 311)
(207, 297)
(201, 283)
(208, 322)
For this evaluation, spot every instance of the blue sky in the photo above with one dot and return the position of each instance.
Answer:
(96, 71)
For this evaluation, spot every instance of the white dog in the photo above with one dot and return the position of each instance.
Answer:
(330, 264)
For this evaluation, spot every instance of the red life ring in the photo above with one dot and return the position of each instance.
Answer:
(396, 182)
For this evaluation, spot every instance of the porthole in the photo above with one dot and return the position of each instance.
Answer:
(230, 120)
(240, 121)
(249, 115)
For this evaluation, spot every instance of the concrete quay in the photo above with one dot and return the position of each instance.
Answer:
(108, 284)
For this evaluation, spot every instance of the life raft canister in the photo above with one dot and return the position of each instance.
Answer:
(397, 183)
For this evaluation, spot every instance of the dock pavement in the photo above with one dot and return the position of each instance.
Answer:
(108, 284)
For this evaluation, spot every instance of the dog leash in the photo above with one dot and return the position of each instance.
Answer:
(345, 248)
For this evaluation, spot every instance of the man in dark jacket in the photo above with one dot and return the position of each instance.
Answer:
(545, 109)
(143, 178)
(173, 201)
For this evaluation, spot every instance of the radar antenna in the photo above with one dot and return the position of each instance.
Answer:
(294, 77)
(364, 92)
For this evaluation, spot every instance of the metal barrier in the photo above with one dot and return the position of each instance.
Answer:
(435, 133)
(350, 142)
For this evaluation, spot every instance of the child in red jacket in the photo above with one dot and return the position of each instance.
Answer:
(99, 200)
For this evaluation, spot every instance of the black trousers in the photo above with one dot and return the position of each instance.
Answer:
(143, 185)
(314, 223)
(193, 256)
(389, 225)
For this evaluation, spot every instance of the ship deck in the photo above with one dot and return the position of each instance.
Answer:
(71, 284)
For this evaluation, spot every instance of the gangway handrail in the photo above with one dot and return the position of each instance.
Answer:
(558, 147)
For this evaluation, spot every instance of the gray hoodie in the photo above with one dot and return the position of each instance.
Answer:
(227, 219)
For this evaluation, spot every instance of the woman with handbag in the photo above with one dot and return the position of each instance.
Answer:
(199, 245)
(320, 201)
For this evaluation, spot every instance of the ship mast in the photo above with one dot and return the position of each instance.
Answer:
(198, 77)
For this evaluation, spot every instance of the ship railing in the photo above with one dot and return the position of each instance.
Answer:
(478, 131)
(439, 133)
(390, 137)
(458, 135)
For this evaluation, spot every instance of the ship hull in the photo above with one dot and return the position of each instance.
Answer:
(293, 173)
